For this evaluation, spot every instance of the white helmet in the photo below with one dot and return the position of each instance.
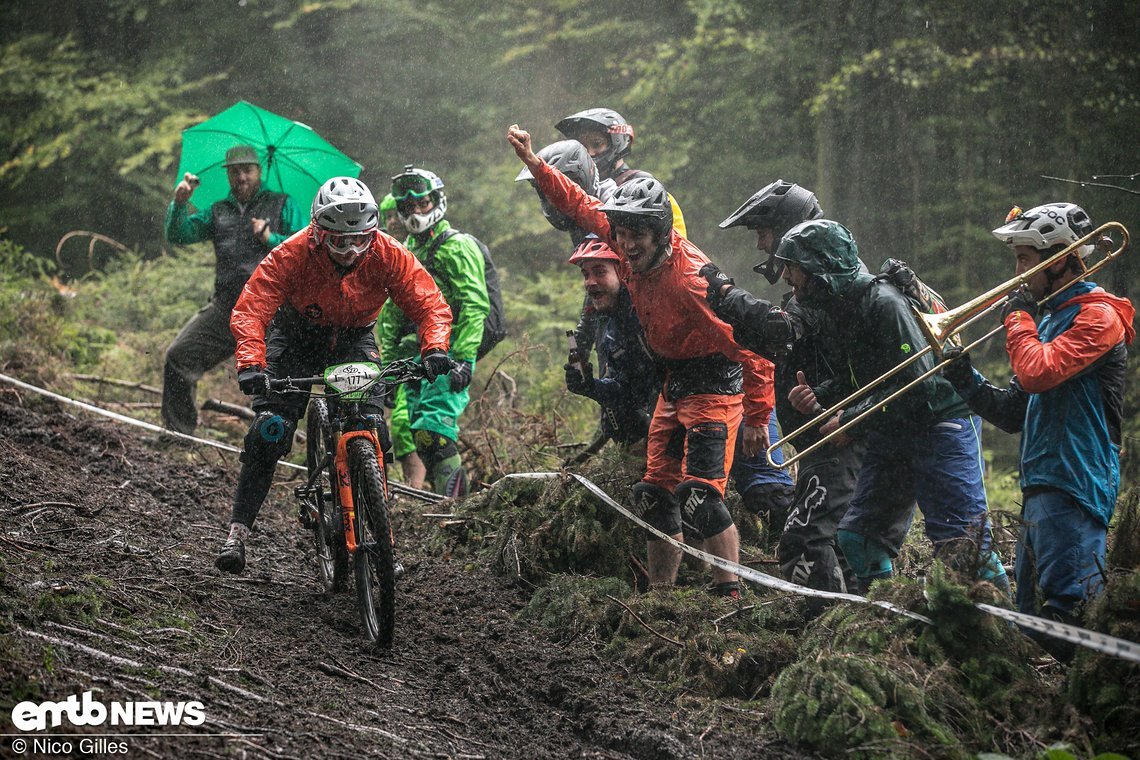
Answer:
(345, 204)
(1043, 227)
(412, 185)
(346, 217)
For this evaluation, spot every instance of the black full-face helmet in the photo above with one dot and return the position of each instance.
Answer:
(778, 207)
(604, 120)
(639, 204)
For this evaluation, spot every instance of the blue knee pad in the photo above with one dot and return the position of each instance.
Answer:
(657, 507)
(269, 438)
(702, 509)
(867, 558)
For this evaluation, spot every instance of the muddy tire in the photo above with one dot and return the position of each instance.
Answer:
(373, 564)
(328, 527)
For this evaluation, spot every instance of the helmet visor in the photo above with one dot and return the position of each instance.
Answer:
(410, 187)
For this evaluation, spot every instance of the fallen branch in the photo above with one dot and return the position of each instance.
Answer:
(342, 672)
(113, 381)
(647, 627)
(225, 407)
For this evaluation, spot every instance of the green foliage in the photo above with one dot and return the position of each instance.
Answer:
(1104, 687)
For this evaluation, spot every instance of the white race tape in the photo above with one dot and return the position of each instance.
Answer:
(1082, 637)
(399, 487)
(1101, 642)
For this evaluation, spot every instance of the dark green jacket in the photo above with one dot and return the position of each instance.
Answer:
(877, 329)
(227, 223)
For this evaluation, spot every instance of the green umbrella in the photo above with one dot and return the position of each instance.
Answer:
(294, 159)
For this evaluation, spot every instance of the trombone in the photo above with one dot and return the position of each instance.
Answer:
(941, 328)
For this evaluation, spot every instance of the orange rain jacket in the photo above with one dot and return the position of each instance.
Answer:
(298, 273)
(670, 298)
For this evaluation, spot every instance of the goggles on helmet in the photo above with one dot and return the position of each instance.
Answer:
(411, 187)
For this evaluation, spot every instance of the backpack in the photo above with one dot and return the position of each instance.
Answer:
(921, 296)
(495, 325)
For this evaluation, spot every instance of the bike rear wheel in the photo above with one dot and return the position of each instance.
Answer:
(328, 527)
(374, 562)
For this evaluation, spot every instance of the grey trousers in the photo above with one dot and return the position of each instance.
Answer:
(203, 343)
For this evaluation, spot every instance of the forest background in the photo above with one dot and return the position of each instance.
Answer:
(917, 124)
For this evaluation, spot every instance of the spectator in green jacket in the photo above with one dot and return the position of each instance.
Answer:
(400, 347)
(456, 263)
(244, 226)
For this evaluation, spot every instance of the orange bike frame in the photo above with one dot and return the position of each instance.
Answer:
(344, 482)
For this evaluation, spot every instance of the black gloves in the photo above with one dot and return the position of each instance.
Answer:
(717, 280)
(960, 370)
(1020, 300)
(460, 376)
(436, 363)
(581, 383)
(253, 381)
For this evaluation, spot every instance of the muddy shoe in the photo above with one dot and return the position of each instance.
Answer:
(231, 559)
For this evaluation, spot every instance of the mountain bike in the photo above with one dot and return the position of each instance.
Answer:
(345, 498)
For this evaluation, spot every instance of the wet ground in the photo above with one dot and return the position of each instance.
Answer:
(107, 584)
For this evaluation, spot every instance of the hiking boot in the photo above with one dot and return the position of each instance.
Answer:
(231, 559)
(730, 589)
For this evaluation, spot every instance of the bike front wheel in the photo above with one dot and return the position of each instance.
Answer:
(328, 525)
(374, 562)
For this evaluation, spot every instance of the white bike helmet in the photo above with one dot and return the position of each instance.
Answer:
(1047, 226)
(414, 184)
(346, 215)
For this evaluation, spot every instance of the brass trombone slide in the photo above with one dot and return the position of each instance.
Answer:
(940, 328)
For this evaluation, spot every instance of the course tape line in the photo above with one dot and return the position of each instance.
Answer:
(398, 487)
(1074, 634)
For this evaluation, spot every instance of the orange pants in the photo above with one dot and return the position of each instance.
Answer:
(693, 438)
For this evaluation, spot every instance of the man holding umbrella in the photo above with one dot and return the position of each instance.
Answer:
(244, 226)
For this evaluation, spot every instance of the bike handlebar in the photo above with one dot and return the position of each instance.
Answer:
(395, 373)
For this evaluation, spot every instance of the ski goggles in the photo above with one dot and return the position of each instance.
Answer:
(346, 242)
(411, 187)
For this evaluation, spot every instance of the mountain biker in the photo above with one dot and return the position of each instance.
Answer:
(244, 227)
(434, 407)
(711, 382)
(1066, 398)
(923, 446)
(312, 303)
(403, 445)
(826, 478)
(608, 138)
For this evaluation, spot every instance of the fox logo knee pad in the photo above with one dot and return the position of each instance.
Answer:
(702, 508)
(269, 438)
(657, 507)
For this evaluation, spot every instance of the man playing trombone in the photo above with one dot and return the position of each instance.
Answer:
(1066, 398)
(922, 447)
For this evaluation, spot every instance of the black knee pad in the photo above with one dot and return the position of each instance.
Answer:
(702, 509)
(269, 438)
(433, 447)
(657, 507)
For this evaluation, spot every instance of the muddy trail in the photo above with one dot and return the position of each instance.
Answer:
(107, 584)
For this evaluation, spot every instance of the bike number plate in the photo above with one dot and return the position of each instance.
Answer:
(352, 380)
